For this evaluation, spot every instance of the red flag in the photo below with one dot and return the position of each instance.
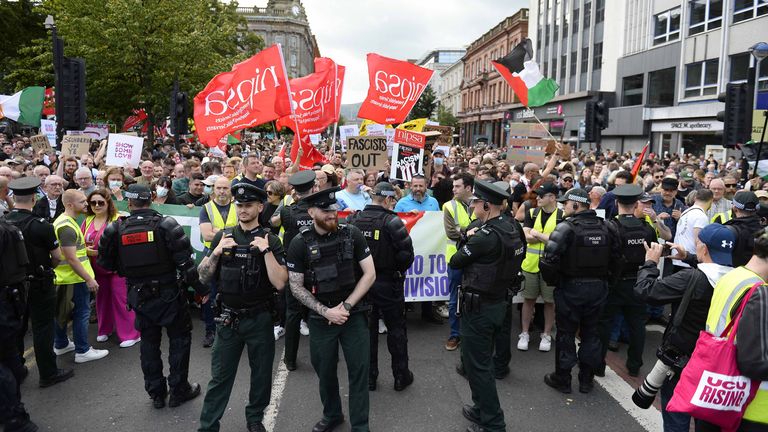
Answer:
(256, 91)
(393, 89)
(49, 103)
(322, 63)
(638, 163)
(311, 154)
(281, 154)
(314, 99)
(138, 116)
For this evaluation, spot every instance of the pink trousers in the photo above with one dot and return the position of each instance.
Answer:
(111, 299)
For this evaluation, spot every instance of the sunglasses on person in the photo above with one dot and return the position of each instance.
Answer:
(270, 193)
(730, 185)
(98, 203)
(568, 179)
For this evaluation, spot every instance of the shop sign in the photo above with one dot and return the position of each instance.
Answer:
(687, 126)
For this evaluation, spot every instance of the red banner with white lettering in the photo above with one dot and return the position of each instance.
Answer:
(310, 154)
(393, 89)
(256, 91)
(315, 99)
(323, 63)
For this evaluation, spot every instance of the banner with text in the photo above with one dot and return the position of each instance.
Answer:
(368, 153)
(393, 89)
(75, 145)
(124, 149)
(407, 161)
(314, 100)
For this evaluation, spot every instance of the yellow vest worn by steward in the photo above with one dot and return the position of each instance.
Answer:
(534, 251)
(462, 219)
(729, 289)
(722, 218)
(65, 275)
(217, 221)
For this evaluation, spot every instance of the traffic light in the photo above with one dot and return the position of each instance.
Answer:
(178, 112)
(595, 120)
(70, 94)
(737, 117)
(601, 114)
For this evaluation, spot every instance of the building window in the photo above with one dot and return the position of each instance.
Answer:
(293, 60)
(746, 9)
(575, 28)
(573, 63)
(632, 93)
(587, 15)
(661, 87)
(701, 78)
(563, 65)
(599, 11)
(597, 60)
(704, 15)
(739, 67)
(584, 60)
(666, 26)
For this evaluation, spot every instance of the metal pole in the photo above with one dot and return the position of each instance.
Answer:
(760, 144)
(58, 54)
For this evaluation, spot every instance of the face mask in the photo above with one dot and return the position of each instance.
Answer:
(113, 184)
(161, 191)
(439, 161)
(513, 183)
(207, 190)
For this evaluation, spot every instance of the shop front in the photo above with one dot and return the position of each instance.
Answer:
(686, 135)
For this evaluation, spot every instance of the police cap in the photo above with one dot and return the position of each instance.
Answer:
(24, 186)
(628, 193)
(384, 189)
(302, 181)
(576, 195)
(138, 192)
(246, 193)
(746, 201)
(503, 186)
(324, 200)
(490, 193)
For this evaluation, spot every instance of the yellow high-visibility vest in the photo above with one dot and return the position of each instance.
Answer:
(534, 250)
(723, 217)
(462, 219)
(728, 290)
(65, 274)
(217, 221)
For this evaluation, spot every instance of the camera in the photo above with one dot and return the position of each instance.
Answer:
(670, 363)
(667, 250)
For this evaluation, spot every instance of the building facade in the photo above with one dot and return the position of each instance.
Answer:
(285, 22)
(439, 60)
(450, 80)
(486, 99)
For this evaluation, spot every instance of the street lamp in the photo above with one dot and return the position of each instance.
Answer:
(759, 51)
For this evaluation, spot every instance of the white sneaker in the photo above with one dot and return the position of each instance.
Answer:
(303, 329)
(129, 343)
(102, 338)
(442, 310)
(66, 349)
(90, 355)
(546, 343)
(279, 332)
(382, 326)
(522, 342)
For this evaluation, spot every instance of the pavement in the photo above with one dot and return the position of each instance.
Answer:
(108, 395)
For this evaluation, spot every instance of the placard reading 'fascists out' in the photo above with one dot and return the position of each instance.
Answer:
(367, 152)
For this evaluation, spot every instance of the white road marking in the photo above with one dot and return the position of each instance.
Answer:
(650, 419)
(278, 388)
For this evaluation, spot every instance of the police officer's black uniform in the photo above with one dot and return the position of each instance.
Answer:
(491, 261)
(392, 252)
(147, 249)
(247, 310)
(744, 227)
(13, 261)
(634, 233)
(40, 240)
(293, 218)
(580, 258)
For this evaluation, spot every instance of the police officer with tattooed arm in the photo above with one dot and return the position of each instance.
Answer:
(147, 249)
(248, 263)
(330, 270)
(490, 261)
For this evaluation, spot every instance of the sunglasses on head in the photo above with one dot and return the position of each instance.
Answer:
(98, 203)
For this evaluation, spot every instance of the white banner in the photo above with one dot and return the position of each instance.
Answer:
(427, 279)
(124, 149)
(48, 128)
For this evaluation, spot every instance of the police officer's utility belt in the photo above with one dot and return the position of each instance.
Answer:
(42, 274)
(472, 301)
(152, 289)
(229, 317)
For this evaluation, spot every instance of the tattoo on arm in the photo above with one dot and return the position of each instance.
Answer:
(207, 268)
(305, 297)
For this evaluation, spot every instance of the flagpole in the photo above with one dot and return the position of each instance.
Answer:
(545, 128)
(333, 143)
(298, 135)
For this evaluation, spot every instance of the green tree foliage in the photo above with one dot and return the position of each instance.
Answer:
(446, 118)
(425, 106)
(21, 25)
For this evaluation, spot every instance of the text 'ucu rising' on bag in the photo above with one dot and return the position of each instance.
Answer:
(711, 388)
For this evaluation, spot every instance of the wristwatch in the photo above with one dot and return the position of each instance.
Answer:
(268, 249)
(347, 306)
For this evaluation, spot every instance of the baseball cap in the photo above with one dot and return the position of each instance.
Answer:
(210, 180)
(719, 240)
(546, 188)
(668, 183)
(746, 200)
(686, 176)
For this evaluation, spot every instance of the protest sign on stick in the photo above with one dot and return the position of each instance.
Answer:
(367, 152)
(407, 161)
(124, 149)
(40, 142)
(75, 145)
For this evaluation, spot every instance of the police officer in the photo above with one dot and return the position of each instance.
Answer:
(148, 249)
(324, 262)
(293, 218)
(490, 261)
(579, 259)
(43, 254)
(248, 262)
(13, 261)
(634, 235)
(392, 252)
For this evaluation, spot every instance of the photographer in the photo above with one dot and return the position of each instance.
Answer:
(691, 289)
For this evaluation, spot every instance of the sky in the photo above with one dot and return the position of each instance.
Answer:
(346, 30)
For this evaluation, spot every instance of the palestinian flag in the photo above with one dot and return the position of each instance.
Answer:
(523, 75)
(24, 107)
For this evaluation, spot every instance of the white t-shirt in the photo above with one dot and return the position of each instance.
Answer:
(693, 218)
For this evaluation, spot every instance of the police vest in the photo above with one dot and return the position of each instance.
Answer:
(39, 258)
(371, 224)
(142, 251)
(462, 220)
(13, 260)
(493, 279)
(729, 289)
(243, 270)
(533, 254)
(65, 275)
(632, 233)
(722, 218)
(296, 218)
(590, 252)
(216, 220)
(331, 266)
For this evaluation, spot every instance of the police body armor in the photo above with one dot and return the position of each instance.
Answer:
(39, 267)
(298, 217)
(331, 276)
(495, 278)
(590, 252)
(142, 251)
(243, 271)
(13, 260)
(633, 233)
(371, 224)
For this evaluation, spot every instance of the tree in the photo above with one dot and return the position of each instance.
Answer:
(446, 118)
(134, 49)
(22, 24)
(425, 106)
(342, 120)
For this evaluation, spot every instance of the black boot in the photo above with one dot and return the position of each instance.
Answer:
(559, 381)
(586, 381)
(178, 398)
(403, 381)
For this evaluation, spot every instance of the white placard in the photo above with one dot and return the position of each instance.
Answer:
(124, 149)
(432, 122)
(446, 150)
(348, 131)
(314, 139)
(375, 129)
(390, 134)
(48, 128)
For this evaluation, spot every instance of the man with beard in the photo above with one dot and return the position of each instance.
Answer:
(417, 200)
(323, 263)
